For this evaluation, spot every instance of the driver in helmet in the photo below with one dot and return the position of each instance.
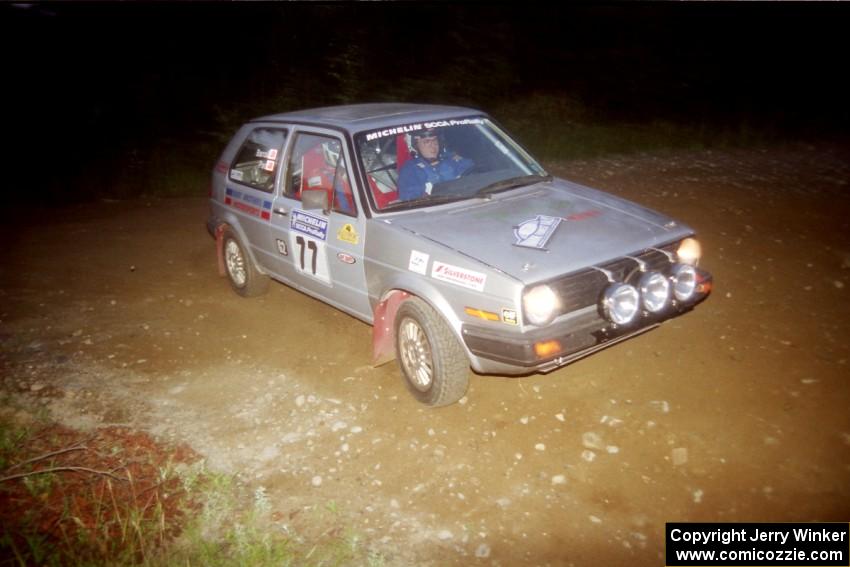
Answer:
(431, 164)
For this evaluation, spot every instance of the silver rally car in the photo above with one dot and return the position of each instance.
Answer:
(434, 226)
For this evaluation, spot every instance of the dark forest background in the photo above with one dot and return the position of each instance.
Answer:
(109, 99)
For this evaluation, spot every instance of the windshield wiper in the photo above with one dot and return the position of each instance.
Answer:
(512, 183)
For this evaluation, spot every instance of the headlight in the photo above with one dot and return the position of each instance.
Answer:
(540, 304)
(684, 281)
(654, 291)
(620, 303)
(689, 251)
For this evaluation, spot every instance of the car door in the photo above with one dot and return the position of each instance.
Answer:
(321, 251)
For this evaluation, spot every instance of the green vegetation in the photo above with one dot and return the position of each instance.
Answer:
(115, 497)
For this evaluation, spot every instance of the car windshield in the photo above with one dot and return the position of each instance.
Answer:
(427, 163)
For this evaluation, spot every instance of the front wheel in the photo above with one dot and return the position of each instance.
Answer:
(432, 361)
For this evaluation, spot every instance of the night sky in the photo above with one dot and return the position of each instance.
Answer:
(107, 87)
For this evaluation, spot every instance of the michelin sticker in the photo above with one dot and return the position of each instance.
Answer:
(418, 262)
(308, 224)
(407, 128)
(458, 276)
(536, 232)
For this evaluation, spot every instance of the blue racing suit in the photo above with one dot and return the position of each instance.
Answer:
(418, 175)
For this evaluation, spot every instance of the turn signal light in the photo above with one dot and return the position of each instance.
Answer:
(547, 348)
(486, 315)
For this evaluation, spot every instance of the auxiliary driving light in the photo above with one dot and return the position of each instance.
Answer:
(689, 251)
(684, 281)
(654, 291)
(620, 303)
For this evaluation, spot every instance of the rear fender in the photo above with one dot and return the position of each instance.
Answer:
(219, 246)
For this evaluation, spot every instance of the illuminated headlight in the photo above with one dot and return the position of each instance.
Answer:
(689, 251)
(540, 304)
(620, 303)
(654, 291)
(684, 281)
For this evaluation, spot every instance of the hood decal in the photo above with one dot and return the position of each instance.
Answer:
(536, 232)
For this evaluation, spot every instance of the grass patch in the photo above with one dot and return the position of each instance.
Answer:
(117, 497)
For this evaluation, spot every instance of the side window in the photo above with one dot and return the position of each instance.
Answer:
(256, 163)
(317, 163)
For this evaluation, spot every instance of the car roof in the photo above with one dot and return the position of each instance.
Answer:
(359, 117)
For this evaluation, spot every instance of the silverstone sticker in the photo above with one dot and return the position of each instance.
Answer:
(269, 165)
(281, 247)
(458, 276)
(407, 128)
(309, 224)
(536, 232)
(236, 174)
(418, 262)
(509, 317)
(347, 233)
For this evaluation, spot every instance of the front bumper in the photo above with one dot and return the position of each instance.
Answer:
(583, 334)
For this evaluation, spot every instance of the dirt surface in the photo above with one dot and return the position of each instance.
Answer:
(113, 313)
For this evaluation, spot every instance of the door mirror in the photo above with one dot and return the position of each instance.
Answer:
(312, 199)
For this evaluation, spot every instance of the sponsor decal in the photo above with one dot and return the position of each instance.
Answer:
(418, 262)
(345, 258)
(236, 174)
(536, 232)
(348, 234)
(509, 317)
(315, 181)
(584, 215)
(249, 204)
(407, 128)
(281, 247)
(270, 154)
(308, 224)
(458, 276)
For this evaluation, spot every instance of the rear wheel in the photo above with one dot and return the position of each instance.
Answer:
(432, 361)
(243, 276)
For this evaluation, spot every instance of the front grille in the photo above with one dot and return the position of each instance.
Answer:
(580, 289)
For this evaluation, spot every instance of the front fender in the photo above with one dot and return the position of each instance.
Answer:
(383, 327)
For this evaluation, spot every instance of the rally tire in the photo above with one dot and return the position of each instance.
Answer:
(243, 276)
(432, 361)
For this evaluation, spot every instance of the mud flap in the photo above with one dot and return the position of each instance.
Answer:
(383, 334)
(219, 248)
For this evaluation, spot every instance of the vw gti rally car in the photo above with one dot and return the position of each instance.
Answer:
(434, 226)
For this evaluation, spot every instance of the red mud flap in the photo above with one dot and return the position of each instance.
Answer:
(383, 334)
(219, 247)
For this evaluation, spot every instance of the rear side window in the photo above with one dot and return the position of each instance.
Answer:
(257, 161)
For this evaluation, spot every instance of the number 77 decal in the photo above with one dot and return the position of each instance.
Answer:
(312, 257)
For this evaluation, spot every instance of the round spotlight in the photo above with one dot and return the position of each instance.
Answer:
(620, 303)
(684, 281)
(654, 291)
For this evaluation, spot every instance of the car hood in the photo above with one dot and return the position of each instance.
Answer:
(544, 230)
